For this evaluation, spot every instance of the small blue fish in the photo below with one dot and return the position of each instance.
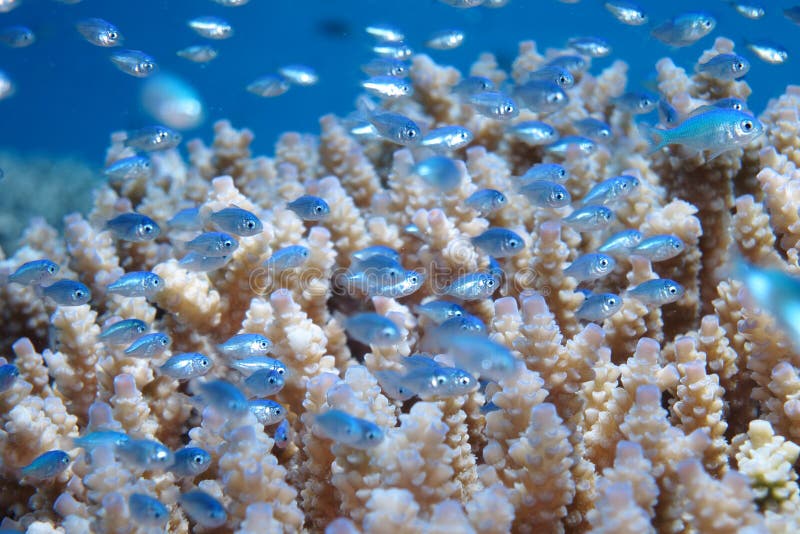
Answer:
(494, 269)
(627, 12)
(267, 411)
(750, 10)
(282, 434)
(211, 27)
(268, 86)
(287, 258)
(203, 509)
(310, 208)
(427, 381)
(499, 242)
(590, 46)
(685, 29)
(133, 227)
(730, 103)
(252, 364)
(17, 36)
(372, 329)
(546, 194)
(486, 201)
(398, 51)
(768, 51)
(447, 138)
(100, 438)
(224, 397)
(238, 221)
(301, 75)
(584, 145)
(123, 332)
(621, 243)
(152, 138)
(264, 383)
(464, 324)
(213, 244)
(149, 346)
(375, 250)
(188, 219)
(561, 77)
(445, 39)
(386, 33)
(34, 273)
(439, 311)
(636, 102)
(190, 462)
(147, 511)
(198, 53)
(373, 274)
(382, 66)
(657, 292)
(99, 32)
(388, 87)
(472, 85)
(725, 67)
(137, 284)
(589, 218)
(439, 171)
(592, 266)
(594, 129)
(534, 133)
(197, 263)
(472, 286)
(573, 63)
(596, 308)
(131, 168)
(396, 128)
(46, 466)
(667, 113)
(349, 430)
(136, 63)
(494, 105)
(245, 346)
(659, 247)
(611, 190)
(478, 355)
(68, 293)
(409, 283)
(541, 96)
(552, 172)
(186, 366)
(8, 374)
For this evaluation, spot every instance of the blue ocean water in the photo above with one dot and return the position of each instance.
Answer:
(70, 96)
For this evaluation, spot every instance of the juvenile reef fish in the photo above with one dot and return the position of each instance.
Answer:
(598, 307)
(627, 12)
(7, 87)
(611, 190)
(715, 130)
(534, 133)
(213, 244)
(186, 366)
(375, 250)
(134, 62)
(439, 311)
(281, 435)
(561, 77)
(100, 438)
(499, 242)
(426, 380)
(190, 462)
(152, 138)
(287, 258)
(552, 172)
(8, 5)
(472, 85)
(685, 29)
(267, 411)
(388, 87)
(224, 397)
(302, 75)
(34, 272)
(372, 329)
(445, 39)
(725, 67)
(137, 284)
(621, 243)
(237, 221)
(460, 325)
(594, 129)
(349, 430)
(479, 355)
(541, 96)
(129, 168)
(197, 263)
(198, 53)
(792, 13)
(447, 138)
(546, 194)
(749, 10)
(310, 208)
(149, 345)
(768, 51)
(264, 383)
(393, 50)
(589, 218)
(17, 36)
(659, 247)
(123, 332)
(486, 201)
(252, 364)
(386, 32)
(187, 219)
(584, 145)
(47, 465)
(211, 27)
(495, 105)
(439, 171)
(409, 283)
(147, 511)
(99, 32)
(573, 63)
(730, 103)
(8, 373)
(68, 293)
(592, 266)
(145, 454)
(268, 86)
(637, 102)
(657, 292)
(245, 346)
(396, 128)
(204, 509)
(464, 4)
(472, 286)
(382, 66)
(373, 273)
(231, 3)
(590, 46)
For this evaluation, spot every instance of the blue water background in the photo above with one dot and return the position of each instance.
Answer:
(70, 96)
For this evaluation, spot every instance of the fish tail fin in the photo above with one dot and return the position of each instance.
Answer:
(366, 106)
(654, 135)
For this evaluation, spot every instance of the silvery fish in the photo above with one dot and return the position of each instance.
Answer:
(621, 243)
(725, 67)
(375, 250)
(434, 381)
(589, 218)
(129, 168)
(68, 293)
(410, 282)
(552, 172)
(147, 511)
(388, 87)
(546, 194)
(8, 373)
(7, 87)
(611, 190)
(349, 430)
(237, 221)
(499, 242)
(584, 145)
(573, 63)
(223, 396)
(659, 247)
(494, 105)
(203, 509)
(439, 311)
(447, 138)
(374, 272)
(264, 383)
(636, 102)
(594, 129)
(309, 208)
(99, 32)
(592, 266)
(17, 36)
(281, 435)
(386, 32)
(187, 219)
(287, 258)
(382, 66)
(439, 171)
(8, 5)
(301, 75)
(768, 51)
(590, 46)
(750, 10)
(186, 366)
(486, 201)
(393, 50)
(100, 438)
(657, 292)
(541, 96)
(197, 263)
(472, 85)
(136, 284)
(534, 133)
(134, 62)
(472, 286)
(599, 307)
(151, 138)
(479, 355)
(211, 27)
(716, 130)
(730, 103)
(684, 29)
(445, 39)
(269, 85)
(149, 345)
(198, 53)
(133, 227)
(47, 465)
(462, 325)
(34, 272)
(267, 411)
(145, 454)
(627, 12)
(372, 329)
(464, 4)
(396, 128)
(252, 364)
(561, 77)
(231, 3)
(213, 244)
(245, 346)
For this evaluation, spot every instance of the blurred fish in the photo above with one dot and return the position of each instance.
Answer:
(147, 511)
(211, 27)
(611, 190)
(8, 374)
(170, 100)
(439, 171)
(533, 132)
(99, 32)
(589, 218)
(545, 171)
(186, 219)
(561, 77)
(409, 283)
(768, 51)
(375, 250)
(302, 75)
(388, 87)
(594, 129)
(145, 454)
(495, 3)
(186, 366)
(149, 345)
(349, 430)
(472, 85)
(590, 46)
(245, 346)
(472, 286)
(592, 266)
(264, 383)
(793, 14)
(439, 311)
(198, 53)
(541, 96)
(464, 4)
(627, 12)
(136, 284)
(494, 105)
(445, 39)
(134, 62)
(100, 438)
(231, 3)
(133, 227)
(750, 10)
(584, 145)
(68, 293)
(46, 466)
(34, 272)
(197, 263)
(386, 32)
(573, 63)
(224, 397)
(252, 364)
(17, 36)
(238, 221)
(479, 355)
(636, 102)
(546, 194)
(499, 242)
(621, 243)
(130, 168)
(287, 258)
(396, 128)
(268, 86)
(381, 66)
(203, 509)
(486, 201)
(426, 381)
(725, 67)
(729, 103)
(599, 307)
(464, 324)
(309, 208)
(267, 411)
(7, 87)
(659, 247)
(8, 5)
(372, 329)
(392, 50)
(281, 435)
(447, 138)
(152, 138)
(685, 29)
(657, 292)
(123, 332)
(667, 113)
(213, 244)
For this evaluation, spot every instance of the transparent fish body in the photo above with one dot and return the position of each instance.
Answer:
(287, 258)
(385, 67)
(499, 242)
(657, 292)
(479, 355)
(627, 12)
(396, 128)
(445, 39)
(68, 293)
(725, 67)
(659, 247)
(145, 454)
(447, 138)
(237, 221)
(252, 364)
(302, 75)
(584, 145)
(186, 366)
(134, 62)
(99, 32)
(187, 219)
(472, 85)
(264, 383)
(8, 374)
(34, 272)
(349, 430)
(123, 332)
(224, 397)
(153, 138)
(46, 466)
(17, 36)
(464, 324)
(197, 263)
(553, 74)
(590, 218)
(130, 168)
(590, 46)
(372, 329)
(388, 87)
(591, 266)
(203, 509)
(282, 434)
(684, 29)
(211, 27)
(149, 345)
(541, 96)
(245, 346)
(546, 194)
(375, 250)
(267, 411)
(133, 227)
(472, 286)
(213, 244)
(268, 86)
(486, 201)
(611, 190)
(310, 208)
(190, 462)
(594, 129)
(439, 171)
(621, 243)
(439, 311)
(410, 282)
(198, 53)
(137, 284)
(552, 172)
(494, 105)
(147, 511)
(535, 133)
(100, 438)
(597, 308)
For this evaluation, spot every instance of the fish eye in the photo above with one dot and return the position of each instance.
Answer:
(623, 185)
(163, 341)
(413, 278)
(559, 196)
(78, 293)
(562, 172)
(739, 66)
(563, 80)
(457, 313)
(464, 381)
(51, 269)
(272, 380)
(411, 133)
(318, 209)
(140, 329)
(155, 281)
(645, 102)
(440, 380)
(278, 411)
(263, 345)
(603, 262)
(707, 23)
(464, 136)
(738, 107)
(747, 126)
(281, 370)
(147, 228)
(611, 301)
(676, 244)
(490, 282)
(204, 362)
(198, 459)
(508, 109)
(227, 243)
(250, 224)
(672, 290)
